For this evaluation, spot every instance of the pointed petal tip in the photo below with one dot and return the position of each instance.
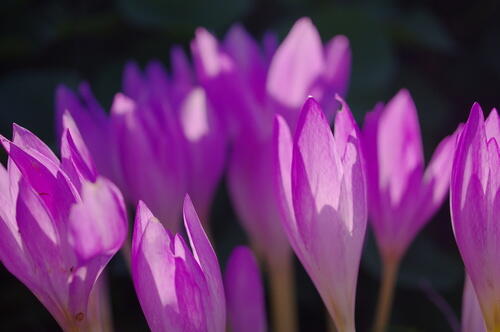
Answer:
(304, 21)
(310, 108)
(122, 104)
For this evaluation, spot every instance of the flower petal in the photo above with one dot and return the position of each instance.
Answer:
(205, 255)
(244, 292)
(296, 65)
(98, 224)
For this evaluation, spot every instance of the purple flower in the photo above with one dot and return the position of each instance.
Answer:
(244, 292)
(179, 288)
(60, 223)
(249, 84)
(472, 318)
(402, 195)
(322, 186)
(161, 139)
(475, 203)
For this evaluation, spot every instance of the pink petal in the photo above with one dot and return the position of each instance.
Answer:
(153, 272)
(316, 168)
(205, 255)
(98, 224)
(399, 144)
(296, 65)
(244, 292)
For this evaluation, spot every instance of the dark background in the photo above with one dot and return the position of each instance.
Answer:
(447, 53)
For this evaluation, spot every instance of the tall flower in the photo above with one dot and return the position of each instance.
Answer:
(402, 195)
(244, 292)
(161, 139)
(249, 85)
(475, 203)
(179, 288)
(60, 223)
(322, 190)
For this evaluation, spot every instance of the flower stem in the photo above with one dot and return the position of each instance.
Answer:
(330, 323)
(384, 304)
(284, 307)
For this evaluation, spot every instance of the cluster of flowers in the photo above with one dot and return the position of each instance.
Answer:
(294, 184)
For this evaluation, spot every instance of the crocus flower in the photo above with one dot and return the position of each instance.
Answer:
(244, 292)
(402, 195)
(475, 203)
(472, 318)
(161, 139)
(322, 190)
(249, 84)
(179, 288)
(60, 223)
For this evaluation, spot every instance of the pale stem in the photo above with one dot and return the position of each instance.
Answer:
(330, 323)
(283, 302)
(386, 293)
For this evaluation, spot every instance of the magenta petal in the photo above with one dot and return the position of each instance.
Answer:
(492, 125)
(283, 145)
(338, 64)
(244, 292)
(206, 149)
(437, 176)
(206, 54)
(474, 201)
(29, 142)
(250, 181)
(153, 272)
(42, 239)
(97, 224)
(92, 123)
(205, 255)
(74, 153)
(12, 252)
(179, 290)
(54, 187)
(190, 298)
(399, 144)
(316, 168)
(337, 72)
(133, 81)
(296, 65)
(329, 200)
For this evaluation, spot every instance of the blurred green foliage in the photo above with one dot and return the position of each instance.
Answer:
(445, 52)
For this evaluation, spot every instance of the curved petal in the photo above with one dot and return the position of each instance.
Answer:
(399, 144)
(296, 65)
(316, 168)
(27, 141)
(205, 255)
(244, 292)
(98, 224)
(153, 272)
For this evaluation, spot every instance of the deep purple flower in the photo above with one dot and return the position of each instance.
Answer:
(249, 84)
(244, 292)
(475, 204)
(179, 288)
(322, 190)
(60, 223)
(161, 139)
(402, 194)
